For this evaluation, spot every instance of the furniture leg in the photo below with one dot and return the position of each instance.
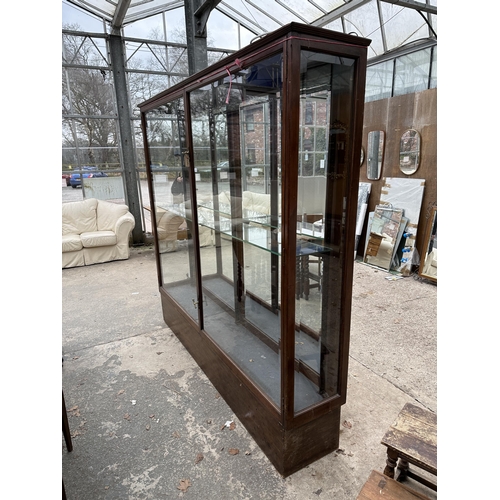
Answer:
(403, 467)
(305, 275)
(65, 426)
(298, 277)
(392, 461)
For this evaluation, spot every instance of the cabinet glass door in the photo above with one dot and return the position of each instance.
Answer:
(325, 121)
(235, 129)
(171, 194)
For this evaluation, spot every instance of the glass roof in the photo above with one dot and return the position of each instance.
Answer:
(390, 24)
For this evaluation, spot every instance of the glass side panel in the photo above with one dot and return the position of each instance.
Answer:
(236, 128)
(325, 121)
(171, 190)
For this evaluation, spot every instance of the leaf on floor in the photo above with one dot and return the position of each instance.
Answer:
(184, 484)
(198, 458)
(75, 411)
(230, 424)
(233, 451)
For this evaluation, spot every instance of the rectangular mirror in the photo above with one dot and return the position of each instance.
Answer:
(382, 238)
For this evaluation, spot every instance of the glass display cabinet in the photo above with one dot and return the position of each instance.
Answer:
(255, 251)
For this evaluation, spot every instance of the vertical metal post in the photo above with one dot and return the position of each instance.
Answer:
(196, 37)
(117, 56)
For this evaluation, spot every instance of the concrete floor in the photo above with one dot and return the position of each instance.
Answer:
(147, 423)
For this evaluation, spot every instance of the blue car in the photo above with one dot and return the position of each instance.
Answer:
(75, 179)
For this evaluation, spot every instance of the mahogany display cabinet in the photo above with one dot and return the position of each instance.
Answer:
(255, 252)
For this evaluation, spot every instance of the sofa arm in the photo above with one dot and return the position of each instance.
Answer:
(168, 224)
(123, 228)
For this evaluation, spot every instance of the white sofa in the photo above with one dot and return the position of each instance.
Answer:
(95, 231)
(257, 202)
(169, 229)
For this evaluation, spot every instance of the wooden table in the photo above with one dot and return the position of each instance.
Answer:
(412, 439)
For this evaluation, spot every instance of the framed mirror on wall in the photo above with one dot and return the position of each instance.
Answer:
(409, 152)
(428, 263)
(376, 140)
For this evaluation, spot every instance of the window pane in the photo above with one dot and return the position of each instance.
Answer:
(379, 81)
(412, 72)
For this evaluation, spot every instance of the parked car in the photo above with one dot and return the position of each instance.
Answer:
(88, 172)
(67, 177)
(205, 171)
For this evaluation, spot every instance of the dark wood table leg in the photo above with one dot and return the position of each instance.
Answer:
(65, 426)
(305, 275)
(403, 468)
(298, 277)
(392, 461)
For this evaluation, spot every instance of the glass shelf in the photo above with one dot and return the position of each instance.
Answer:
(256, 229)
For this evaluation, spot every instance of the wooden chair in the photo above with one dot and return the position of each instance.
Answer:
(313, 266)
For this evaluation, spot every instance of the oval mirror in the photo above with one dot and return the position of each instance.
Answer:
(362, 157)
(409, 152)
(375, 154)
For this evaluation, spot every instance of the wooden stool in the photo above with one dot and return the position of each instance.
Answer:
(380, 486)
(412, 439)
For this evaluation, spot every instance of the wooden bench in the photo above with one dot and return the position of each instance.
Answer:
(380, 486)
(412, 439)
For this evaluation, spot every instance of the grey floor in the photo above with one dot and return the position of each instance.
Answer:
(148, 424)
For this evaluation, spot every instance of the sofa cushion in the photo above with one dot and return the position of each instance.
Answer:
(98, 239)
(225, 198)
(257, 202)
(71, 243)
(108, 213)
(79, 216)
